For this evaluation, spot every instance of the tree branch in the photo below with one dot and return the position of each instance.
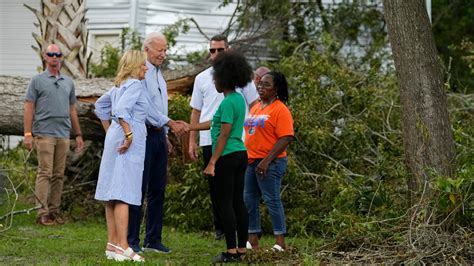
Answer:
(230, 23)
(199, 28)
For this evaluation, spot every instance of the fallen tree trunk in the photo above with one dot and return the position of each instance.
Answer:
(13, 89)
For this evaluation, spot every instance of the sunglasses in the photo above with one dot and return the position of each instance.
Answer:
(51, 54)
(213, 50)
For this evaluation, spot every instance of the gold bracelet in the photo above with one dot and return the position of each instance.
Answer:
(129, 135)
(28, 134)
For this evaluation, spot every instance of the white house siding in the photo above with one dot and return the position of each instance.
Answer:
(106, 18)
(16, 25)
(211, 19)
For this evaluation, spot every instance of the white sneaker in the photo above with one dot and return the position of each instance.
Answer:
(248, 245)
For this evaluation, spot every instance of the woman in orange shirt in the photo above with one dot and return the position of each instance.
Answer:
(268, 131)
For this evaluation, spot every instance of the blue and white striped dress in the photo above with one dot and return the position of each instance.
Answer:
(120, 175)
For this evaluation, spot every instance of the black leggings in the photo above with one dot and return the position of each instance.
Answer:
(207, 153)
(229, 184)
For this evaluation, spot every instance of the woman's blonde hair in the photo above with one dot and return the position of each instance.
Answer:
(129, 66)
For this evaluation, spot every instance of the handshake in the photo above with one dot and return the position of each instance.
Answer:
(180, 127)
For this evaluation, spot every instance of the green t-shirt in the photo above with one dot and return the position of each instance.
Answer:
(230, 111)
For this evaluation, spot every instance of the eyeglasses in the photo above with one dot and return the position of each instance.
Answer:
(265, 85)
(51, 54)
(213, 50)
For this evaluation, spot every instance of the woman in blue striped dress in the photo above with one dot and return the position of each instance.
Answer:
(122, 111)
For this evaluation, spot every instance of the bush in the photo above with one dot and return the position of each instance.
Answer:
(346, 159)
(347, 154)
(346, 168)
(19, 169)
(187, 204)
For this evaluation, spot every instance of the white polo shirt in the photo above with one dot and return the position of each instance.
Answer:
(206, 99)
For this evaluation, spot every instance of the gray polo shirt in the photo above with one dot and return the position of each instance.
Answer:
(52, 98)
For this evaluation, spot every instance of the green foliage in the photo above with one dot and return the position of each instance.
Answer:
(452, 26)
(172, 31)
(188, 204)
(459, 193)
(467, 50)
(130, 40)
(449, 192)
(347, 156)
(19, 166)
(179, 108)
(111, 55)
(464, 195)
(197, 57)
(109, 59)
(347, 166)
(353, 30)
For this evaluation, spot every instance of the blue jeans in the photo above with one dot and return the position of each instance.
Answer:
(153, 188)
(267, 186)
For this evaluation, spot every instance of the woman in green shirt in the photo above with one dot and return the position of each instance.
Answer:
(229, 157)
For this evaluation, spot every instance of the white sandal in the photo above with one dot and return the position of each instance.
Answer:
(277, 248)
(127, 254)
(110, 254)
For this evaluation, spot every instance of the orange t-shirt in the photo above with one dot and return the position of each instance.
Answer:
(264, 126)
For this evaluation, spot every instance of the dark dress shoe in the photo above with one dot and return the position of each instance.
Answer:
(226, 257)
(45, 220)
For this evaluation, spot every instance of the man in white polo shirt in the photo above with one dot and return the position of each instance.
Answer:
(204, 101)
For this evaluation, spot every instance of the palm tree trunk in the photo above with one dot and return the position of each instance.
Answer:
(63, 23)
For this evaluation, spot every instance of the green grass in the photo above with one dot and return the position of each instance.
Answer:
(83, 243)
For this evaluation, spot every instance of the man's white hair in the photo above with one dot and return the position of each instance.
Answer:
(152, 36)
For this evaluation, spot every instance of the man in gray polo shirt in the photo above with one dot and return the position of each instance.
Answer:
(49, 112)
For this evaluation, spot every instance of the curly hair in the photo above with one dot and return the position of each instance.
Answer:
(129, 66)
(231, 70)
(279, 82)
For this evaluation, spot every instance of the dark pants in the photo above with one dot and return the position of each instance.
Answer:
(153, 187)
(207, 153)
(229, 185)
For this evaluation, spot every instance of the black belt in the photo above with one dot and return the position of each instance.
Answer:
(152, 128)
